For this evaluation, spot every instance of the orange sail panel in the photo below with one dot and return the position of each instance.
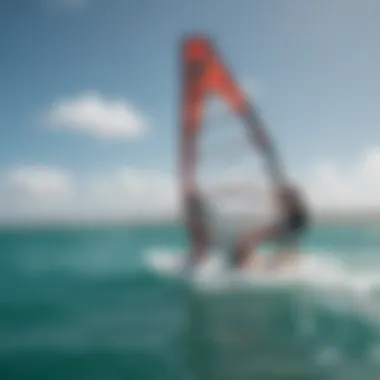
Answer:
(205, 74)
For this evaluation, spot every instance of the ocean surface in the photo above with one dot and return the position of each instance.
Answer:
(106, 303)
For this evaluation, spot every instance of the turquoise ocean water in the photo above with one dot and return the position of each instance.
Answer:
(92, 303)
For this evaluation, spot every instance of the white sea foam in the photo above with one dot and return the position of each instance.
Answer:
(314, 269)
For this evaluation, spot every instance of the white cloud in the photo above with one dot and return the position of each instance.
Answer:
(95, 114)
(134, 193)
(45, 193)
(356, 187)
(40, 182)
(35, 192)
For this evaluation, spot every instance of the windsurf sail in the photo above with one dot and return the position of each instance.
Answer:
(225, 148)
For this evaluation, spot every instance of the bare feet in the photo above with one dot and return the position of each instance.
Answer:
(256, 262)
(282, 260)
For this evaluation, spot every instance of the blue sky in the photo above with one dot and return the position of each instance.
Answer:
(314, 65)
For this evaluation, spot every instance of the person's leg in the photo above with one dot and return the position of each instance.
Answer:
(287, 245)
(248, 241)
(286, 253)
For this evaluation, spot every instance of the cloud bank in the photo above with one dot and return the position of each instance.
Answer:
(342, 187)
(38, 193)
(96, 115)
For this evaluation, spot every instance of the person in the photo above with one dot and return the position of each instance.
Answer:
(287, 232)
